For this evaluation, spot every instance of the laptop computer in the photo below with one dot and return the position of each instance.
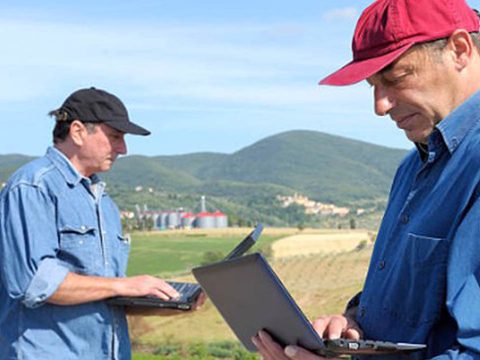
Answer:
(189, 292)
(250, 297)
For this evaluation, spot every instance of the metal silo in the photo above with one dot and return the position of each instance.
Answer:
(205, 220)
(162, 220)
(221, 220)
(156, 220)
(173, 220)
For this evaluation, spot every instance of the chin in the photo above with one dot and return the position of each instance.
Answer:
(417, 138)
(105, 167)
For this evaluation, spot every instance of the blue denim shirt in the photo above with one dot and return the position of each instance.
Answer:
(423, 283)
(53, 221)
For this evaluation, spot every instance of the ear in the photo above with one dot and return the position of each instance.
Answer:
(78, 132)
(462, 48)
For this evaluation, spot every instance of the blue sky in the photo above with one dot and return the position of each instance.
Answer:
(201, 75)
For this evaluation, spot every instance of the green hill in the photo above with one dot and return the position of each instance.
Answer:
(9, 163)
(324, 167)
(132, 171)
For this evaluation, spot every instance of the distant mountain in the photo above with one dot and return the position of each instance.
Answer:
(9, 163)
(324, 167)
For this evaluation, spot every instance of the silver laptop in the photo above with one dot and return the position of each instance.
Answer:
(250, 297)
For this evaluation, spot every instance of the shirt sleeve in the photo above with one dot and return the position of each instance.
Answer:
(30, 272)
(463, 287)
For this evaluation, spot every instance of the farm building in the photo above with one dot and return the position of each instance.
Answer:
(175, 219)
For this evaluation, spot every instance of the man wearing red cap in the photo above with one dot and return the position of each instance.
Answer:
(422, 58)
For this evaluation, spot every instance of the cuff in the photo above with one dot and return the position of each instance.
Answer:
(47, 279)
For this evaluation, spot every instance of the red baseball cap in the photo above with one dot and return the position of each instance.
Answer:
(388, 28)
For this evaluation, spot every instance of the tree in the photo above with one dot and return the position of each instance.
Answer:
(353, 224)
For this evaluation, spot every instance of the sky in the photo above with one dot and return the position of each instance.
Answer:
(210, 75)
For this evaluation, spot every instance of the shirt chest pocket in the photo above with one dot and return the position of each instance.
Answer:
(80, 248)
(418, 280)
(119, 250)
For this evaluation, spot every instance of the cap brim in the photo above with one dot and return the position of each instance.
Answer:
(359, 70)
(128, 128)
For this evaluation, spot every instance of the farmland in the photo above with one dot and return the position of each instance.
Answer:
(321, 282)
(170, 253)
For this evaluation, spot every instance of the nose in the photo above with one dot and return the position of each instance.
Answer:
(383, 100)
(122, 146)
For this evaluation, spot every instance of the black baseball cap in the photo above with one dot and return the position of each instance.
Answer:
(98, 106)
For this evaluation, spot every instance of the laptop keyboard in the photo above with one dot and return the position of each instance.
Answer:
(184, 289)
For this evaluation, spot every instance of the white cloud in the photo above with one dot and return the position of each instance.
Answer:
(347, 13)
(233, 63)
(203, 80)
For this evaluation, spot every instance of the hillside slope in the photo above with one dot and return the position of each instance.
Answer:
(245, 184)
(324, 167)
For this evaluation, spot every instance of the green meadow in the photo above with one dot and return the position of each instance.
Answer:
(313, 281)
(171, 253)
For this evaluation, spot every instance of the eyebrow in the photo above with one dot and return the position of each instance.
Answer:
(386, 69)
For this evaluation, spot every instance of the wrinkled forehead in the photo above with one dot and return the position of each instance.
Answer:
(414, 58)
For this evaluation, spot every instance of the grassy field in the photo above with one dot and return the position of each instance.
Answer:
(328, 243)
(170, 253)
(320, 283)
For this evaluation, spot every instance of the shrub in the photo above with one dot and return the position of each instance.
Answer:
(361, 245)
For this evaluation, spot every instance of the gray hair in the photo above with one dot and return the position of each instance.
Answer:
(62, 126)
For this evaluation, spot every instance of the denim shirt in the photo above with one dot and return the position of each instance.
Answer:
(423, 283)
(54, 221)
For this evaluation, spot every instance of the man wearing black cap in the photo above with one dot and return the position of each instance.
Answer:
(422, 59)
(61, 245)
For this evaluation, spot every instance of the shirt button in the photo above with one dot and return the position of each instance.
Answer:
(405, 218)
(381, 265)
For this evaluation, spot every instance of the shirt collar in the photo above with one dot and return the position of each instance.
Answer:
(457, 124)
(422, 151)
(66, 168)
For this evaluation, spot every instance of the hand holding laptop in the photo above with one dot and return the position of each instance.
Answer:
(172, 294)
(154, 288)
(165, 311)
(328, 327)
(251, 298)
(271, 350)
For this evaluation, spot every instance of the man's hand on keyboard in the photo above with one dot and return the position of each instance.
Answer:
(337, 326)
(145, 285)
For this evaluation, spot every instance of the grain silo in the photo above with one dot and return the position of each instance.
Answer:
(205, 220)
(221, 220)
(163, 220)
(155, 215)
(173, 220)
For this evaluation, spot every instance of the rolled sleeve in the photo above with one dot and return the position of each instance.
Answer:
(45, 282)
(28, 243)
